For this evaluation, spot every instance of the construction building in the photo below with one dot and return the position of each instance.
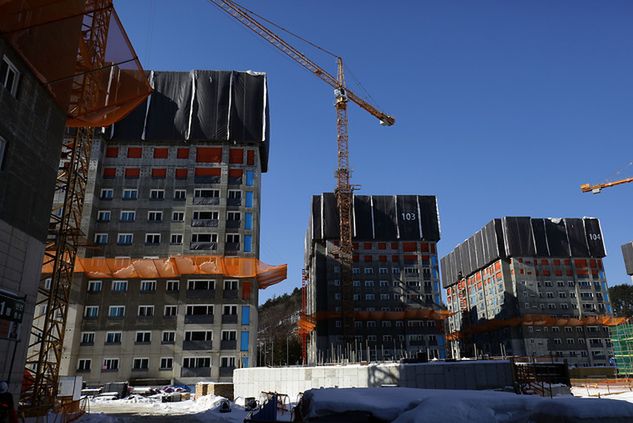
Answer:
(167, 290)
(532, 287)
(396, 286)
(627, 253)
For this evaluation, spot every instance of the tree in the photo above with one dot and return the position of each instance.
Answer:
(622, 300)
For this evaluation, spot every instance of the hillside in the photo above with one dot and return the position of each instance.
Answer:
(278, 343)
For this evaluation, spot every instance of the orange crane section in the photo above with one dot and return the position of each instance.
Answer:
(343, 184)
(598, 187)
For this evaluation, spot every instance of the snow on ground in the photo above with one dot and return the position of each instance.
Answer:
(409, 405)
(622, 393)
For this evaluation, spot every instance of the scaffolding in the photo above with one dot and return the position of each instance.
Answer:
(622, 339)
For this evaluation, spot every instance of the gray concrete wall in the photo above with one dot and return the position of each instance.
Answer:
(437, 375)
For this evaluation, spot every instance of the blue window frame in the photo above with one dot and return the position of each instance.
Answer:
(244, 341)
(248, 220)
(248, 242)
(250, 178)
(249, 199)
(246, 315)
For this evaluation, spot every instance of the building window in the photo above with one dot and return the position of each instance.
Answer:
(9, 76)
(197, 285)
(176, 239)
(94, 286)
(119, 286)
(369, 284)
(370, 297)
(168, 337)
(101, 238)
(229, 310)
(171, 310)
(110, 364)
(152, 239)
(173, 286)
(143, 337)
(103, 216)
(106, 194)
(356, 284)
(233, 216)
(200, 310)
(180, 194)
(196, 362)
(127, 216)
(356, 271)
(140, 364)
(146, 311)
(116, 311)
(113, 338)
(83, 365)
(148, 286)
(125, 239)
(178, 216)
(91, 312)
(47, 283)
(229, 335)
(232, 239)
(156, 194)
(130, 194)
(199, 335)
(155, 216)
(230, 285)
(227, 361)
(166, 363)
(87, 338)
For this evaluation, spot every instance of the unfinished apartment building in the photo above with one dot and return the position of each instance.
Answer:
(627, 253)
(532, 287)
(178, 178)
(395, 278)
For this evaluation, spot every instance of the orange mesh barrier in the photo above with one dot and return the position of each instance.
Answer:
(50, 36)
(536, 320)
(172, 267)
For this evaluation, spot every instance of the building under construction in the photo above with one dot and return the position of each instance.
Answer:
(530, 287)
(627, 253)
(396, 287)
(167, 290)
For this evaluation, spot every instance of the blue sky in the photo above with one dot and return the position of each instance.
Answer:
(502, 108)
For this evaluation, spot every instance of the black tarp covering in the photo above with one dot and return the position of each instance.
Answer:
(524, 237)
(202, 106)
(627, 252)
(362, 217)
(379, 218)
(593, 233)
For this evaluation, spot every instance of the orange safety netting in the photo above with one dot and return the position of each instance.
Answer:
(173, 267)
(536, 320)
(77, 48)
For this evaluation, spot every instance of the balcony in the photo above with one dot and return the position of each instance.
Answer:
(204, 246)
(226, 371)
(206, 200)
(227, 344)
(195, 372)
(233, 224)
(234, 202)
(417, 343)
(232, 247)
(200, 293)
(229, 318)
(197, 345)
(86, 344)
(230, 294)
(205, 223)
(198, 318)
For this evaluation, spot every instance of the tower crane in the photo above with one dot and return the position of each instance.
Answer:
(343, 96)
(598, 187)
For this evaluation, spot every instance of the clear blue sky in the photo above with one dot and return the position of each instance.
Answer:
(502, 107)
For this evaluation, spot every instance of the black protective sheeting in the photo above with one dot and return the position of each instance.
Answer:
(316, 217)
(211, 106)
(330, 219)
(169, 106)
(444, 269)
(407, 217)
(247, 107)
(131, 127)
(429, 217)
(362, 217)
(384, 217)
(540, 238)
(518, 237)
(627, 252)
(577, 238)
(593, 233)
(557, 237)
(479, 249)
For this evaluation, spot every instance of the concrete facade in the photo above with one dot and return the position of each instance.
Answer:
(179, 341)
(31, 131)
(292, 381)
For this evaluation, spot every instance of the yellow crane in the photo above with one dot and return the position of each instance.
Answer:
(598, 187)
(343, 184)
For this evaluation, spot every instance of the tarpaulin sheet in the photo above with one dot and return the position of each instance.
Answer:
(408, 218)
(329, 216)
(429, 217)
(199, 106)
(176, 266)
(524, 237)
(385, 220)
(627, 252)
(362, 217)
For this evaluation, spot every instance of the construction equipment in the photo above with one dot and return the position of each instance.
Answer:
(596, 189)
(344, 187)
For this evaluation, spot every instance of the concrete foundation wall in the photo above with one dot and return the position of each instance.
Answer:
(295, 380)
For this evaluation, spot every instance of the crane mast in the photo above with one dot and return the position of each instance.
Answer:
(343, 177)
